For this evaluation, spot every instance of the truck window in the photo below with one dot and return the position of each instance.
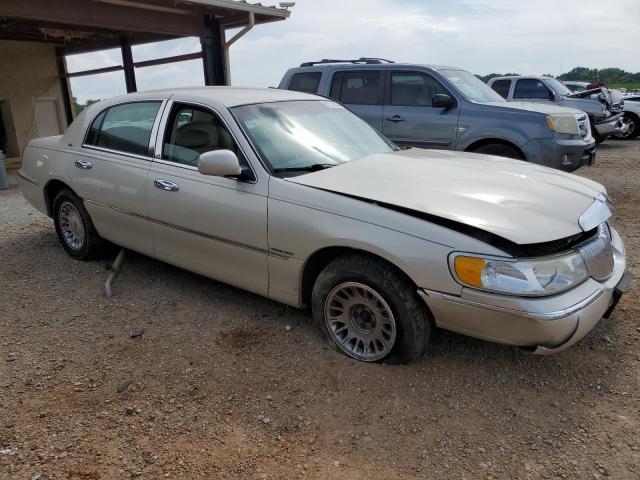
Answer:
(531, 88)
(412, 89)
(359, 87)
(502, 87)
(305, 82)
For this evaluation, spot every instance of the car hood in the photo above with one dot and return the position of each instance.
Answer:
(521, 202)
(546, 108)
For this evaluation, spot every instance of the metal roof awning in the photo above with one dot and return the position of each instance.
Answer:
(85, 25)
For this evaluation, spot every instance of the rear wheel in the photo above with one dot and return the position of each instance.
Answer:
(632, 122)
(369, 311)
(74, 227)
(500, 150)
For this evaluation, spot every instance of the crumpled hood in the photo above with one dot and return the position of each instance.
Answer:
(521, 202)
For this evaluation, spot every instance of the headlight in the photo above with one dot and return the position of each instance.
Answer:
(563, 123)
(530, 277)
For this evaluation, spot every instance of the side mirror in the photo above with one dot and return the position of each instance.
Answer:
(442, 100)
(219, 163)
(552, 95)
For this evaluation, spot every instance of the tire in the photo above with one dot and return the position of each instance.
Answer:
(384, 310)
(633, 123)
(500, 150)
(74, 227)
(596, 136)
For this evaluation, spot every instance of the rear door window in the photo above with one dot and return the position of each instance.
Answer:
(305, 82)
(502, 87)
(124, 128)
(358, 87)
(413, 89)
(531, 88)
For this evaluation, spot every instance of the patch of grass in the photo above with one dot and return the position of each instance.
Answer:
(628, 86)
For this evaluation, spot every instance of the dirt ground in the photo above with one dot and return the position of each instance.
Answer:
(222, 384)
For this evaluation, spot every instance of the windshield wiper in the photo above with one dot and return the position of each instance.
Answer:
(304, 168)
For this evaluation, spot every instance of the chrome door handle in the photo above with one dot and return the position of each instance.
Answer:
(84, 164)
(395, 118)
(166, 185)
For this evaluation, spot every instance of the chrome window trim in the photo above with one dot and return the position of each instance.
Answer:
(118, 152)
(162, 131)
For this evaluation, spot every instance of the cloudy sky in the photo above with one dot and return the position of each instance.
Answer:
(483, 36)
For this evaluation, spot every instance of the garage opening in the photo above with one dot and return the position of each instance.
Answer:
(8, 140)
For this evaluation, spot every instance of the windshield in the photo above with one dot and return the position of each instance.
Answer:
(471, 86)
(308, 134)
(558, 87)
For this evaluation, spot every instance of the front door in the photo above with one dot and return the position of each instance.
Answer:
(215, 226)
(411, 119)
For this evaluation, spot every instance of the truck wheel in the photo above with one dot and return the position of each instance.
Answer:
(500, 150)
(74, 227)
(633, 127)
(368, 311)
(596, 136)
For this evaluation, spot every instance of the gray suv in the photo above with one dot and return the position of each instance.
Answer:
(605, 115)
(448, 108)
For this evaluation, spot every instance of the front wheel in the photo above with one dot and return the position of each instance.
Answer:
(74, 227)
(369, 311)
(632, 124)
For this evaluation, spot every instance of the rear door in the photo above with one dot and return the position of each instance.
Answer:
(109, 172)
(362, 91)
(409, 115)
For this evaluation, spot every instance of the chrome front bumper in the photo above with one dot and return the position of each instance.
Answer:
(543, 325)
(609, 125)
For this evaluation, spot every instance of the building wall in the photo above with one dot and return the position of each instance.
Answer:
(28, 71)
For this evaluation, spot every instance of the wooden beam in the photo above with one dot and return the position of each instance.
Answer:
(129, 70)
(65, 87)
(90, 13)
(95, 71)
(162, 61)
(145, 63)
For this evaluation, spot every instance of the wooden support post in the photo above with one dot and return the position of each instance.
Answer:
(212, 52)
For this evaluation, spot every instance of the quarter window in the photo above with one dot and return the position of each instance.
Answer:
(305, 82)
(125, 128)
(531, 88)
(502, 87)
(192, 131)
(410, 89)
(359, 87)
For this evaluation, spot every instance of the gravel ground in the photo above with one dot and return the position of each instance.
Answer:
(178, 376)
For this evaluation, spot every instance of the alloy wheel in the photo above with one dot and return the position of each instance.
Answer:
(360, 321)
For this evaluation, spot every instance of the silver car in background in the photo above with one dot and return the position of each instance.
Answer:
(293, 197)
(605, 116)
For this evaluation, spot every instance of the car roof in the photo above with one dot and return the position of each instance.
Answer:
(227, 96)
(511, 77)
(371, 66)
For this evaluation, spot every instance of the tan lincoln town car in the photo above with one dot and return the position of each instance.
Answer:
(293, 197)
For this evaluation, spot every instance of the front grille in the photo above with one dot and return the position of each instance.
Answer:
(598, 255)
(584, 127)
